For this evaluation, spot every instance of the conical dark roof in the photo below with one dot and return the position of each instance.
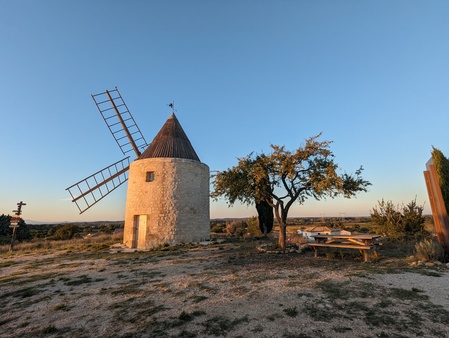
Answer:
(171, 141)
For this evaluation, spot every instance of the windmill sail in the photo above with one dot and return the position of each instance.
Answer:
(92, 189)
(120, 122)
(127, 134)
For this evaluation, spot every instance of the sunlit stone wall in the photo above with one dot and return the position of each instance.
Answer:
(175, 202)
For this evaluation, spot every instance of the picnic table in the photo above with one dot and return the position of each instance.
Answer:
(365, 243)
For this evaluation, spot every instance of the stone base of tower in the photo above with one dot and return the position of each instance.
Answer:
(193, 233)
(167, 203)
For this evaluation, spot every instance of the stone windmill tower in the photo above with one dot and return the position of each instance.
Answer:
(168, 191)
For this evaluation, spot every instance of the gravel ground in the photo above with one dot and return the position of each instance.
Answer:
(221, 290)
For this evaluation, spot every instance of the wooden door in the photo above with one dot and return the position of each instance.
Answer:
(139, 231)
(142, 232)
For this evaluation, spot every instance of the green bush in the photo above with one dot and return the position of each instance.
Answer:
(66, 232)
(217, 228)
(399, 223)
(253, 228)
(236, 228)
(429, 250)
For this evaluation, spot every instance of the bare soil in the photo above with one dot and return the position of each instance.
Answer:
(219, 290)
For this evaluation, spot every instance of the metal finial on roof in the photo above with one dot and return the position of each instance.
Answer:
(172, 106)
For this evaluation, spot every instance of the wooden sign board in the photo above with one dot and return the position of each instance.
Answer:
(437, 205)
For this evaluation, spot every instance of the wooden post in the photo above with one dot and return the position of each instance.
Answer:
(365, 256)
(13, 237)
(15, 223)
(437, 205)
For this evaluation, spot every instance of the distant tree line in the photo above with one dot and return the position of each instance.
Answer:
(26, 232)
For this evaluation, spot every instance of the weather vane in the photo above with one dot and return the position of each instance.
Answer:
(172, 106)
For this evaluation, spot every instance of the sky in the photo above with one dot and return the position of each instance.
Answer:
(371, 76)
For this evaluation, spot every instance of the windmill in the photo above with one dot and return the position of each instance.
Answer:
(167, 199)
(128, 137)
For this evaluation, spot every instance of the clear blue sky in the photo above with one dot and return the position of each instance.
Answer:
(373, 76)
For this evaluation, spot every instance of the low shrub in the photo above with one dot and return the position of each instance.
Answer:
(429, 250)
(217, 228)
(399, 223)
(66, 232)
(236, 228)
(253, 228)
(294, 238)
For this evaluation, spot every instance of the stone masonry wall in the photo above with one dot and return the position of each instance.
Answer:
(176, 202)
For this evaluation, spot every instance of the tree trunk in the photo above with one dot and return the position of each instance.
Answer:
(282, 235)
(13, 238)
(281, 216)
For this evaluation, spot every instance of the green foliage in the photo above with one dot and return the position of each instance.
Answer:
(107, 228)
(66, 232)
(4, 226)
(399, 223)
(22, 231)
(441, 164)
(236, 228)
(429, 250)
(253, 227)
(218, 228)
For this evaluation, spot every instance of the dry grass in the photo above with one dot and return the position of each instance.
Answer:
(101, 242)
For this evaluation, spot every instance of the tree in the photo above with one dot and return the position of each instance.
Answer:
(66, 232)
(22, 231)
(283, 177)
(441, 164)
(4, 226)
(399, 223)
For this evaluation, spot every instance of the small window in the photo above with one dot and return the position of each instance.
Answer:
(150, 176)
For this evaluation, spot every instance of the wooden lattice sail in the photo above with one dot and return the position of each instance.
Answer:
(126, 133)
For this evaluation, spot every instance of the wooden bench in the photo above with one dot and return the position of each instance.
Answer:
(362, 248)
